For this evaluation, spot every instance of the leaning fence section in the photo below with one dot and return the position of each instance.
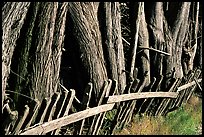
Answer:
(57, 115)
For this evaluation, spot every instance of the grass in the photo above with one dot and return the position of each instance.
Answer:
(183, 121)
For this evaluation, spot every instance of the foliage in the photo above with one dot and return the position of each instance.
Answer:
(183, 121)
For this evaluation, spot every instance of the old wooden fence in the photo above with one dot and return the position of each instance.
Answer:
(54, 115)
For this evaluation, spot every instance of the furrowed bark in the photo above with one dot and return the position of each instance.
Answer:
(13, 15)
(178, 33)
(114, 44)
(155, 23)
(89, 39)
(41, 79)
(144, 43)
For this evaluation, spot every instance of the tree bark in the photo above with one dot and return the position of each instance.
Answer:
(179, 30)
(41, 80)
(143, 45)
(13, 15)
(114, 44)
(155, 23)
(88, 36)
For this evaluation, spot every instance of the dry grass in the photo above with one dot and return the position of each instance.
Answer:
(180, 122)
(146, 126)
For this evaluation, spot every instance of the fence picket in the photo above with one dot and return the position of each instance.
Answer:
(52, 114)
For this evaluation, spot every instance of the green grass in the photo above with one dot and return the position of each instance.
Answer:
(183, 121)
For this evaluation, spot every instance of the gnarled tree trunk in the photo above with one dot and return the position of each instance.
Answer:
(88, 36)
(13, 15)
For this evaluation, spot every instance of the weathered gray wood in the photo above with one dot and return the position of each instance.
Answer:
(10, 119)
(187, 92)
(197, 74)
(102, 115)
(107, 94)
(127, 108)
(132, 96)
(61, 105)
(85, 103)
(198, 84)
(67, 105)
(149, 90)
(70, 99)
(66, 120)
(121, 108)
(125, 105)
(133, 103)
(157, 85)
(21, 120)
(55, 98)
(64, 97)
(99, 119)
(166, 102)
(95, 121)
(34, 113)
(163, 100)
(188, 85)
(47, 102)
(156, 50)
(134, 51)
(146, 101)
(181, 94)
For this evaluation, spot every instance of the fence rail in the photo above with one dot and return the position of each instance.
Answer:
(53, 113)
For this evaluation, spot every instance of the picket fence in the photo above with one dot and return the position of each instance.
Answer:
(54, 115)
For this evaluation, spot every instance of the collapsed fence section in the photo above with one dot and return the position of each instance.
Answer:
(55, 114)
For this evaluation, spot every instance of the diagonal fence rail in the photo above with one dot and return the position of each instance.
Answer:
(49, 116)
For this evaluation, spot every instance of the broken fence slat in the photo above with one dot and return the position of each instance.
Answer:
(187, 85)
(131, 96)
(156, 50)
(22, 119)
(67, 105)
(63, 121)
(95, 119)
(198, 84)
(85, 103)
(34, 113)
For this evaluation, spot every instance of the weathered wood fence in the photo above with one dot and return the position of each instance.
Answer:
(51, 115)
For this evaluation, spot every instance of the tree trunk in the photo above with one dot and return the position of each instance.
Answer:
(144, 45)
(88, 37)
(179, 31)
(155, 19)
(39, 52)
(116, 61)
(13, 15)
(41, 79)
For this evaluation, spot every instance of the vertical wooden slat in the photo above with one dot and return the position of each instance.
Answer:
(47, 103)
(95, 121)
(55, 99)
(85, 103)
(173, 103)
(60, 105)
(148, 90)
(21, 120)
(186, 98)
(52, 107)
(132, 105)
(163, 100)
(33, 113)
(67, 105)
(167, 101)
(102, 115)
(157, 85)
